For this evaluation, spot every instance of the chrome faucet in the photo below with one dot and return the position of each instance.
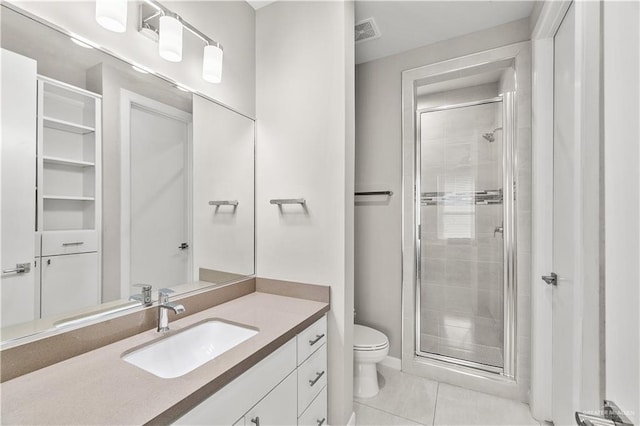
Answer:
(163, 307)
(144, 297)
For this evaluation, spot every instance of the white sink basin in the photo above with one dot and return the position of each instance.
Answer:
(187, 350)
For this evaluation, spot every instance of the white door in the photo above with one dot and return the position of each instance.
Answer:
(69, 283)
(159, 198)
(564, 212)
(579, 379)
(621, 63)
(18, 187)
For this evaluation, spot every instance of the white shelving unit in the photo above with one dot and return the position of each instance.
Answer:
(69, 189)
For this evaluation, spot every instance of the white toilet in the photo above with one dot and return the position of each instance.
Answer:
(369, 348)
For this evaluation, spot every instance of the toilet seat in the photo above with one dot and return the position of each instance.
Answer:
(368, 339)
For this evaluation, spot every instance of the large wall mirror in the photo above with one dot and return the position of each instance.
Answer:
(123, 180)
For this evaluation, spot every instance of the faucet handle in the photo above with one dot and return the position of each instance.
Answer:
(145, 296)
(163, 295)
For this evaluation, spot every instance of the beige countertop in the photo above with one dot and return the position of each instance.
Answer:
(98, 387)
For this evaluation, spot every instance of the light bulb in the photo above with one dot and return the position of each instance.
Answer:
(212, 64)
(112, 14)
(170, 42)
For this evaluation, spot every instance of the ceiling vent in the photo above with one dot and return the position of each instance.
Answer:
(366, 30)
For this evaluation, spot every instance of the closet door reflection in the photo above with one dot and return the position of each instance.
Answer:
(461, 266)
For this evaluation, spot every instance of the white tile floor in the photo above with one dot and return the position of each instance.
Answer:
(409, 400)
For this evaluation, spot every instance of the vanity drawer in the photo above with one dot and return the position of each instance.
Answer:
(316, 414)
(312, 377)
(311, 339)
(69, 242)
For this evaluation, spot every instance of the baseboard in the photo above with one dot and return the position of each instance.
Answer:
(352, 419)
(392, 362)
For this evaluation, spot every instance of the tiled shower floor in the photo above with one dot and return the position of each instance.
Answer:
(410, 400)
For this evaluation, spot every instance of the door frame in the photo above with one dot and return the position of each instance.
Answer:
(127, 100)
(588, 391)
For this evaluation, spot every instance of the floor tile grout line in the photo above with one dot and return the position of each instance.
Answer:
(388, 412)
(435, 405)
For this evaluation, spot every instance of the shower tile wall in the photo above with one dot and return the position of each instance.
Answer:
(461, 257)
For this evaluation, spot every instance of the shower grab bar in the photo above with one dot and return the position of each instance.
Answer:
(224, 203)
(389, 193)
(281, 201)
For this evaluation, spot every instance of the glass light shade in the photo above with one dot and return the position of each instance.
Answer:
(212, 64)
(112, 14)
(170, 43)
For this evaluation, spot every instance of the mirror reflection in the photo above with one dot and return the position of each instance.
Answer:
(113, 179)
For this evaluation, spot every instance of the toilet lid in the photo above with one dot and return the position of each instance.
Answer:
(368, 338)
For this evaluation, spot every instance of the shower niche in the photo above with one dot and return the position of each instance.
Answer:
(460, 226)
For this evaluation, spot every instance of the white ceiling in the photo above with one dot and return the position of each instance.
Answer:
(405, 25)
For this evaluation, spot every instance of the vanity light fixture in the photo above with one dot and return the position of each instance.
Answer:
(166, 27)
(212, 63)
(170, 38)
(112, 14)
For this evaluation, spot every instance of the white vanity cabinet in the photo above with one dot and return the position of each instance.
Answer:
(69, 283)
(277, 408)
(288, 387)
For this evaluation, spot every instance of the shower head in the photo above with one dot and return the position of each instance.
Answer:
(490, 136)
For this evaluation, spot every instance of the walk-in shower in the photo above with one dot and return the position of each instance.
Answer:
(460, 281)
(461, 234)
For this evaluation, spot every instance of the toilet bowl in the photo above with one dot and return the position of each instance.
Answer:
(369, 348)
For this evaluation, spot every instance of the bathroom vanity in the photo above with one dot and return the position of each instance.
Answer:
(278, 376)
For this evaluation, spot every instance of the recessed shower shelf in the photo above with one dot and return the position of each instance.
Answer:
(464, 197)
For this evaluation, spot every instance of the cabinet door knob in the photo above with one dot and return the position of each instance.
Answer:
(256, 420)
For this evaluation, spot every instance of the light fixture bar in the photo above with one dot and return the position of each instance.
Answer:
(162, 10)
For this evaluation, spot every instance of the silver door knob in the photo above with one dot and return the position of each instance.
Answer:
(499, 229)
(551, 279)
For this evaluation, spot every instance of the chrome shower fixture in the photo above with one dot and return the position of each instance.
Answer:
(490, 136)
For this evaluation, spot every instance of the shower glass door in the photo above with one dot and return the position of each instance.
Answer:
(461, 249)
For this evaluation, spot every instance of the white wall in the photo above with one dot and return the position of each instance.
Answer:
(305, 143)
(223, 169)
(231, 23)
(378, 267)
(622, 208)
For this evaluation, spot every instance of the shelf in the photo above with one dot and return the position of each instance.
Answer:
(66, 126)
(66, 161)
(68, 198)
